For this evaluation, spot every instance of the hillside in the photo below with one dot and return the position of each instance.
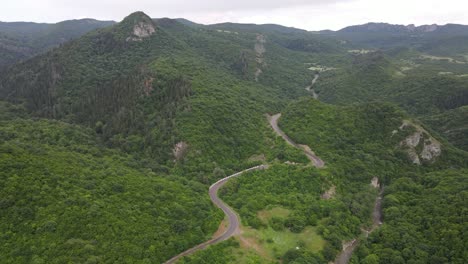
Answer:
(371, 138)
(112, 139)
(23, 40)
(451, 124)
(433, 38)
(423, 87)
(171, 84)
(67, 198)
(333, 206)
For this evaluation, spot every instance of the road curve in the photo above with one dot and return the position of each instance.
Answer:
(234, 223)
(316, 161)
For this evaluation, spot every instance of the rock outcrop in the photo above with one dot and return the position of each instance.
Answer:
(259, 51)
(141, 26)
(420, 145)
(179, 150)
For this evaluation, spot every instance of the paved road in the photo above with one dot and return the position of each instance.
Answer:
(234, 223)
(307, 151)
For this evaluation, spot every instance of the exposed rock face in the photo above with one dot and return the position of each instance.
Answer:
(431, 151)
(330, 193)
(375, 182)
(413, 140)
(148, 86)
(142, 30)
(420, 146)
(139, 26)
(260, 47)
(259, 51)
(179, 150)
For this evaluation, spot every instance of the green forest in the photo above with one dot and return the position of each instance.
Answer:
(110, 141)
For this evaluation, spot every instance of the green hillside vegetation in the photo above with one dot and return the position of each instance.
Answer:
(451, 124)
(424, 221)
(300, 227)
(357, 143)
(300, 234)
(415, 198)
(439, 40)
(421, 90)
(110, 141)
(66, 198)
(23, 40)
(178, 85)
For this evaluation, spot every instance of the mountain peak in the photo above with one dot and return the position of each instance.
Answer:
(140, 26)
(136, 17)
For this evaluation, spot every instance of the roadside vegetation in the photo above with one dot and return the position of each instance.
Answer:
(108, 146)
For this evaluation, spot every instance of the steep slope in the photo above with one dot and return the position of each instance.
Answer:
(379, 129)
(22, 40)
(189, 102)
(452, 124)
(149, 86)
(293, 213)
(378, 140)
(423, 214)
(67, 198)
(423, 87)
(383, 35)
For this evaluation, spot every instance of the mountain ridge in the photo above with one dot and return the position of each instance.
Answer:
(410, 28)
(125, 127)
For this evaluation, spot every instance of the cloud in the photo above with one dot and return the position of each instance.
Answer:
(193, 6)
(307, 14)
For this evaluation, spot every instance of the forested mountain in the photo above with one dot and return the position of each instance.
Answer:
(111, 140)
(433, 38)
(358, 143)
(149, 85)
(68, 198)
(23, 40)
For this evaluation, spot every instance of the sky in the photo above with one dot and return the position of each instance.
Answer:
(305, 14)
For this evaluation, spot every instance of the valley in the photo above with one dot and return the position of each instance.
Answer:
(121, 142)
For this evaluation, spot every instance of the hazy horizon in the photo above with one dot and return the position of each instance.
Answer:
(308, 15)
(222, 22)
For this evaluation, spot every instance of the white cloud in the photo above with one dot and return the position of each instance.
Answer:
(307, 14)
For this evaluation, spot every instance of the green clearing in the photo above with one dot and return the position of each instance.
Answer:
(277, 243)
(268, 214)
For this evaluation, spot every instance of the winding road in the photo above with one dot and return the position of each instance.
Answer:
(348, 248)
(234, 223)
(316, 161)
(233, 218)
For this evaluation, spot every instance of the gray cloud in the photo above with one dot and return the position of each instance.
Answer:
(194, 6)
(307, 14)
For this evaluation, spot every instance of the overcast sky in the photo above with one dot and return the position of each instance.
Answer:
(306, 14)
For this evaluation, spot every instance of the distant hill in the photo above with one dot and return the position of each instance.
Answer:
(408, 29)
(111, 140)
(22, 40)
(147, 84)
(384, 35)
